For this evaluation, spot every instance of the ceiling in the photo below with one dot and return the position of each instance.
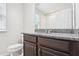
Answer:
(52, 7)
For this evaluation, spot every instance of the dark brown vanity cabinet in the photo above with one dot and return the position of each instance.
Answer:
(35, 45)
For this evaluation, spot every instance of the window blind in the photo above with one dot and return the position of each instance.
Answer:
(2, 16)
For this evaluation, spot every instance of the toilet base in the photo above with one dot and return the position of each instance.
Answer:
(17, 53)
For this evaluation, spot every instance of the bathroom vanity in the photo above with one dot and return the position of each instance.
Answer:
(55, 44)
(56, 25)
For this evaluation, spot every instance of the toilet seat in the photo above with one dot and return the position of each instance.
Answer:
(15, 47)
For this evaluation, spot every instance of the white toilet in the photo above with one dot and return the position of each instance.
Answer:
(16, 50)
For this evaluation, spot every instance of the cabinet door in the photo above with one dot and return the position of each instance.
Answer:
(50, 52)
(29, 49)
(45, 53)
(75, 48)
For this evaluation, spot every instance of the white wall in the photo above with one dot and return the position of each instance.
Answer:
(29, 14)
(77, 15)
(14, 26)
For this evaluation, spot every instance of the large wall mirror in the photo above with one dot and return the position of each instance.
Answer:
(54, 17)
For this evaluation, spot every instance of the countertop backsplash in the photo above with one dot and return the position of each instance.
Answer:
(70, 31)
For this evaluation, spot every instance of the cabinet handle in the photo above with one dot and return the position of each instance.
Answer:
(34, 51)
(39, 52)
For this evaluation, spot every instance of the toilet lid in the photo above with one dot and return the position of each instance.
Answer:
(15, 47)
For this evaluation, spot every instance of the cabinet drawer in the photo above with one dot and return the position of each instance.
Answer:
(54, 44)
(30, 38)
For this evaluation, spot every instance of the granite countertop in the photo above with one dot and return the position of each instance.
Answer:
(57, 35)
